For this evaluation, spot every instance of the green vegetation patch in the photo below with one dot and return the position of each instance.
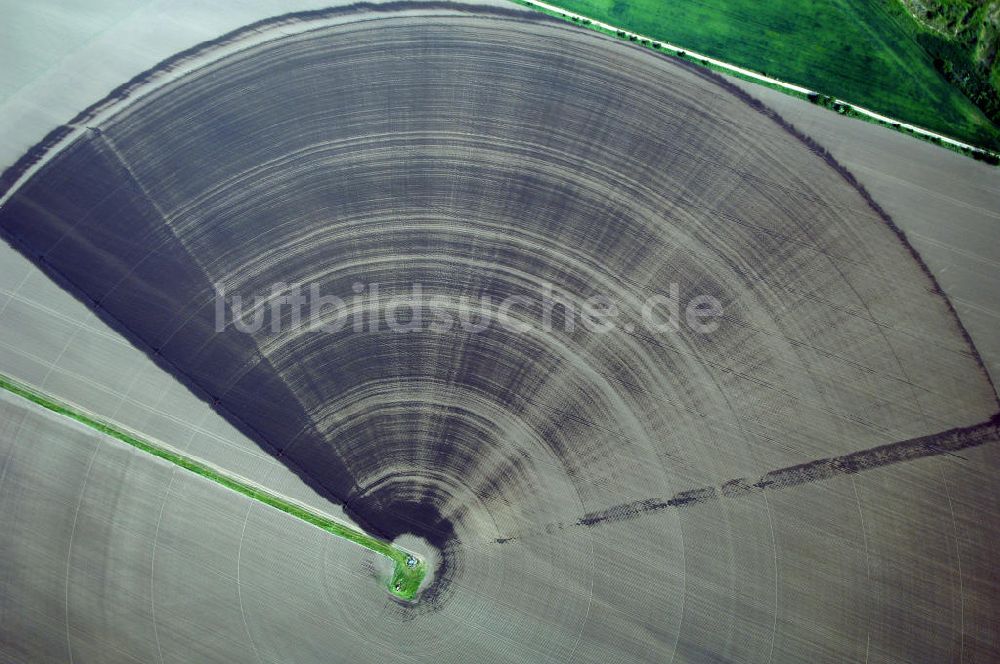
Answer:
(963, 37)
(870, 52)
(409, 571)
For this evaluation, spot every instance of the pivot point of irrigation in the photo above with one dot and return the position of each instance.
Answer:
(408, 575)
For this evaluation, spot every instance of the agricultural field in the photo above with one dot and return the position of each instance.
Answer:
(873, 54)
(426, 332)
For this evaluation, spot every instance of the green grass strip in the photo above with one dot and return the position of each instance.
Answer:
(408, 570)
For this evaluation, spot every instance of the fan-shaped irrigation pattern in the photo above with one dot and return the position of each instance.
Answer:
(490, 156)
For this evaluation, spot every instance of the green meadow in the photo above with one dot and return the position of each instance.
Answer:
(869, 53)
